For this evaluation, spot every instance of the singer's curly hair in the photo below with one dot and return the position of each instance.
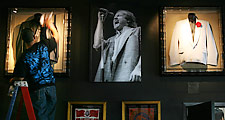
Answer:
(130, 18)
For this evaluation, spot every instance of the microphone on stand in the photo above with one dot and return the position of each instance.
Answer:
(103, 14)
(106, 12)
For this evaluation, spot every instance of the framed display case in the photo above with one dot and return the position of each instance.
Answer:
(191, 40)
(141, 110)
(21, 18)
(86, 110)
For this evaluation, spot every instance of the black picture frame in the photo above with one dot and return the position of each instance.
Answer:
(62, 20)
(169, 16)
(95, 54)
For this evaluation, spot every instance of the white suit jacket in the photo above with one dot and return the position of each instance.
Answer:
(184, 49)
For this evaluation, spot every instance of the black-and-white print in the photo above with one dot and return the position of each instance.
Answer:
(120, 58)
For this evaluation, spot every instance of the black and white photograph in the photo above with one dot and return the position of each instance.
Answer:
(115, 45)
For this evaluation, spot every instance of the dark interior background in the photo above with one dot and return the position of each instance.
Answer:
(172, 91)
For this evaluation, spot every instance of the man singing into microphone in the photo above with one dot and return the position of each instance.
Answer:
(120, 58)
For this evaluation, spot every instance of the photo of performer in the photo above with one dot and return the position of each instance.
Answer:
(120, 54)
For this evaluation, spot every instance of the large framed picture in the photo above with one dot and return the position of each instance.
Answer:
(86, 110)
(141, 110)
(115, 43)
(191, 40)
(21, 18)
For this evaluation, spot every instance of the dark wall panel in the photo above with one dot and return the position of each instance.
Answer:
(172, 91)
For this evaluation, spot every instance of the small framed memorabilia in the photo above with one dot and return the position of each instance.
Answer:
(86, 110)
(141, 110)
(219, 110)
(21, 18)
(204, 110)
(191, 40)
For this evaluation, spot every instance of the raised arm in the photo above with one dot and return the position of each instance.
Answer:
(98, 36)
(49, 24)
(55, 33)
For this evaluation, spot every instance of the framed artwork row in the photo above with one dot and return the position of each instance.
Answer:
(144, 110)
(131, 110)
(191, 40)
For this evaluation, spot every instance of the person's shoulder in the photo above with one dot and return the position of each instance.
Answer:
(32, 49)
(111, 38)
(139, 27)
(37, 46)
(136, 29)
(49, 44)
(42, 43)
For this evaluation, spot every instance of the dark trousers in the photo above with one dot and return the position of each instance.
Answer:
(44, 102)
